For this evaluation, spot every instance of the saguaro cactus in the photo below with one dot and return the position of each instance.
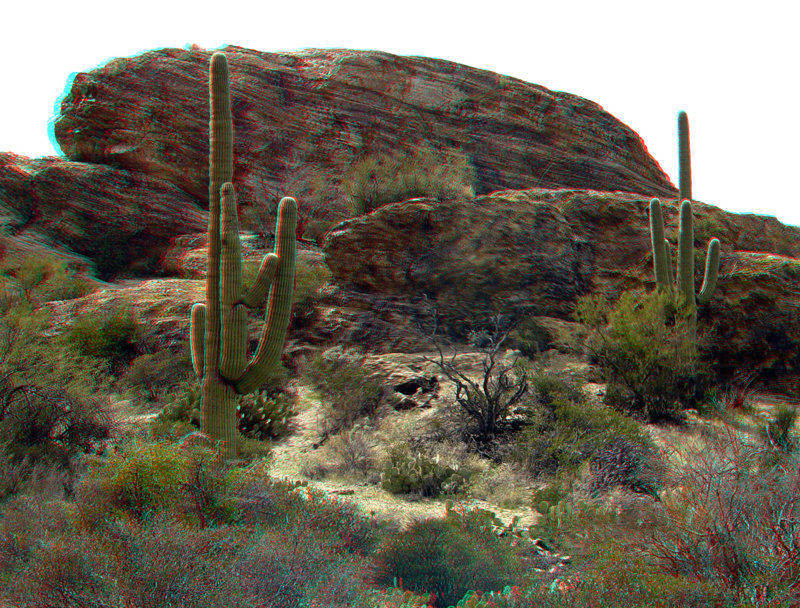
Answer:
(684, 296)
(219, 328)
(684, 159)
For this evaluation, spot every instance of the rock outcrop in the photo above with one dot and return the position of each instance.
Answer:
(113, 217)
(303, 118)
(534, 252)
(561, 207)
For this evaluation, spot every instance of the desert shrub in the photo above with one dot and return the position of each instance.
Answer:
(62, 570)
(727, 519)
(374, 181)
(309, 278)
(49, 409)
(111, 336)
(145, 478)
(562, 429)
(651, 367)
(532, 339)
(780, 433)
(622, 462)
(41, 425)
(163, 562)
(432, 556)
(46, 279)
(353, 451)
(602, 582)
(152, 375)
(268, 503)
(485, 404)
(348, 392)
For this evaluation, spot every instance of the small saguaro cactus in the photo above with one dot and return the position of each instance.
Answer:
(218, 336)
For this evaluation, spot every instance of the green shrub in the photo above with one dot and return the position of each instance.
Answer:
(49, 406)
(308, 280)
(651, 366)
(398, 176)
(145, 478)
(47, 279)
(151, 375)
(562, 430)
(779, 436)
(348, 392)
(532, 339)
(111, 335)
(625, 463)
(432, 556)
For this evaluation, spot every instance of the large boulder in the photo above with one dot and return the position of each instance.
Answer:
(534, 252)
(302, 118)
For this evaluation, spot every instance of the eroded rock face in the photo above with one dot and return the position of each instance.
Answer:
(112, 216)
(536, 251)
(303, 118)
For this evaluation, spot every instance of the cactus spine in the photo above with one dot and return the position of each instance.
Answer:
(218, 336)
(662, 266)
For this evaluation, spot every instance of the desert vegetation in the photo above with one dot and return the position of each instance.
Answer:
(422, 172)
(97, 514)
(98, 511)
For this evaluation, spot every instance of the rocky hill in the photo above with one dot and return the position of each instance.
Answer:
(562, 191)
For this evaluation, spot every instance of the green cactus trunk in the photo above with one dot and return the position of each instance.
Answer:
(219, 327)
(684, 158)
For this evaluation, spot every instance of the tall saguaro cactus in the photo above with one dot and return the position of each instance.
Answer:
(686, 300)
(219, 328)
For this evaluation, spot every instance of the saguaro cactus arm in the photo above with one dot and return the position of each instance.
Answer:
(662, 265)
(197, 338)
(712, 271)
(279, 312)
(661, 261)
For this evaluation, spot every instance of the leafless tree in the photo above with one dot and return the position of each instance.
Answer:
(489, 401)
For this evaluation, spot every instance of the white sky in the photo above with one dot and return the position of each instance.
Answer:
(732, 66)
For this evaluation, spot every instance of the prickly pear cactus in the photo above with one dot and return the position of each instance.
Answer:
(260, 416)
(263, 417)
(186, 405)
(422, 474)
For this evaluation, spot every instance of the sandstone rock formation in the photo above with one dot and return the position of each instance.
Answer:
(561, 207)
(112, 217)
(536, 251)
(303, 118)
